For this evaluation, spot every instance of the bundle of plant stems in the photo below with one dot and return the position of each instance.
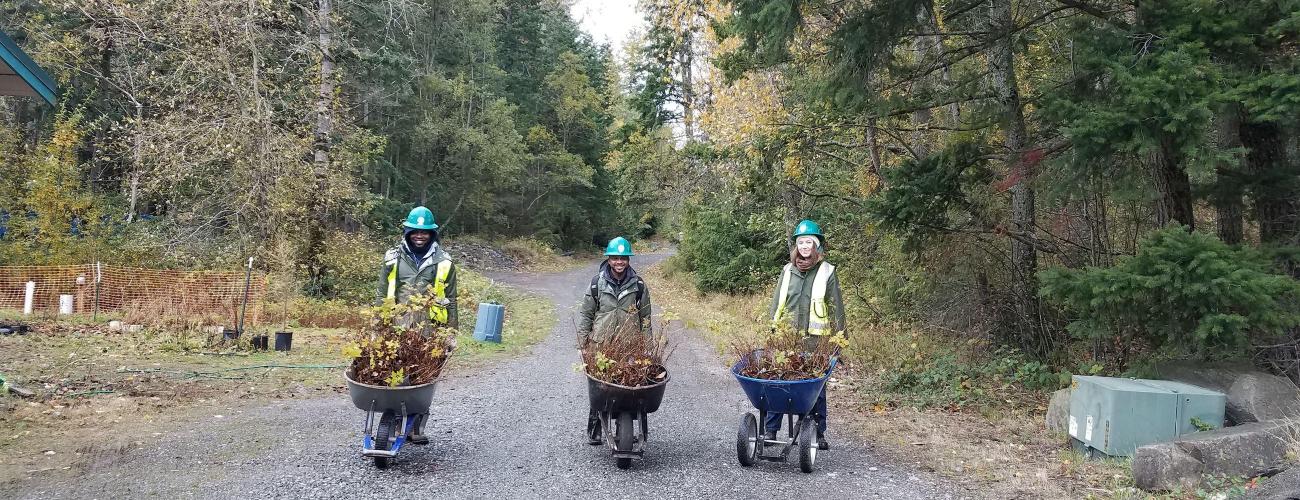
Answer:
(402, 346)
(783, 353)
(628, 357)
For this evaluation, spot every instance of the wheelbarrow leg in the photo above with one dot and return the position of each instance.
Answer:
(607, 430)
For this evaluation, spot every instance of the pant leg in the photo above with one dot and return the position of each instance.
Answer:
(773, 422)
(593, 422)
(819, 411)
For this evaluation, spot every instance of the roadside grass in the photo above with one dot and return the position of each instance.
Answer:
(98, 389)
(944, 407)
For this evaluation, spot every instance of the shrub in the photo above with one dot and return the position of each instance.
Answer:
(785, 354)
(725, 255)
(1184, 293)
(401, 346)
(628, 358)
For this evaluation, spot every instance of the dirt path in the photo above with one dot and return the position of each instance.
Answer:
(510, 430)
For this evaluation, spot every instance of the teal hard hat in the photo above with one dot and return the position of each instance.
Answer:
(619, 247)
(420, 218)
(808, 228)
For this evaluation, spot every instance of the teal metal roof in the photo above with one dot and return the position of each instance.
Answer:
(19, 74)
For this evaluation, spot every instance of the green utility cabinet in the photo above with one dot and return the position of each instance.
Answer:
(1115, 416)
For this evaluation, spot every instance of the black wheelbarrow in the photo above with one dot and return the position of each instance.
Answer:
(397, 408)
(622, 406)
(794, 398)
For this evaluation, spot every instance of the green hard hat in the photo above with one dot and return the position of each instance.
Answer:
(808, 228)
(619, 247)
(420, 218)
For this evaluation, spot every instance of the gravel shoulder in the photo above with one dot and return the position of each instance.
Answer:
(511, 429)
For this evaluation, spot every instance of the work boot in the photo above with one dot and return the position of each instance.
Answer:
(416, 435)
(821, 441)
(769, 435)
(594, 436)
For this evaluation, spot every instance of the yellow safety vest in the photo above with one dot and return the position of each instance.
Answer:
(437, 310)
(819, 322)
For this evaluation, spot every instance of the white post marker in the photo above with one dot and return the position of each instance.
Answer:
(65, 304)
(29, 297)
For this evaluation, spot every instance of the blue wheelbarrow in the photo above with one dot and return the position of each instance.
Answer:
(397, 408)
(794, 398)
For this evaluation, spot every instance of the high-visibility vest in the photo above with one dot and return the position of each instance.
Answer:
(438, 309)
(819, 316)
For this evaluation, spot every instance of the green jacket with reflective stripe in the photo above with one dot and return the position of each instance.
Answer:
(412, 280)
(799, 299)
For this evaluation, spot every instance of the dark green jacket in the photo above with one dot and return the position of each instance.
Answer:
(799, 299)
(412, 279)
(616, 305)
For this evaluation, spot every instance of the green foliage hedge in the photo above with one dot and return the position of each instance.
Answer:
(1184, 293)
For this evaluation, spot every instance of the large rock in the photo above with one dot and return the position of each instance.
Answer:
(1253, 396)
(1260, 397)
(1058, 412)
(1215, 377)
(1245, 450)
(1165, 467)
(1284, 486)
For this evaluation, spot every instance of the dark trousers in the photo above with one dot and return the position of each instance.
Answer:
(593, 423)
(773, 422)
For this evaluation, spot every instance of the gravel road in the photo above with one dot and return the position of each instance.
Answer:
(511, 430)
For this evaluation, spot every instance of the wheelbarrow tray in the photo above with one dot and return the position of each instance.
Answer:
(620, 398)
(782, 396)
(414, 398)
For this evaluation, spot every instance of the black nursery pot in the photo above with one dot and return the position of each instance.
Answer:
(261, 342)
(283, 341)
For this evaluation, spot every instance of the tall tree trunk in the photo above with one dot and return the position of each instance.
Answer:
(317, 210)
(1024, 257)
(1228, 185)
(1173, 187)
(1275, 189)
(688, 82)
(873, 147)
(921, 118)
(137, 160)
(100, 169)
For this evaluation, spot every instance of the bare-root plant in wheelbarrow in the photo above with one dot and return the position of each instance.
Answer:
(396, 361)
(783, 372)
(626, 378)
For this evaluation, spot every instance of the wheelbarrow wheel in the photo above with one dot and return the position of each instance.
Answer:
(807, 445)
(747, 440)
(624, 438)
(387, 424)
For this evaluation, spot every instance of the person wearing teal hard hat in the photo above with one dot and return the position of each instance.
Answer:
(616, 298)
(417, 264)
(808, 296)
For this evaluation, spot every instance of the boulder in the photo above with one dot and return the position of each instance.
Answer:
(1165, 467)
(1215, 377)
(1058, 412)
(1284, 486)
(1260, 397)
(1253, 396)
(1245, 450)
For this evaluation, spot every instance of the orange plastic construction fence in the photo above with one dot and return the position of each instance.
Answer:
(125, 289)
